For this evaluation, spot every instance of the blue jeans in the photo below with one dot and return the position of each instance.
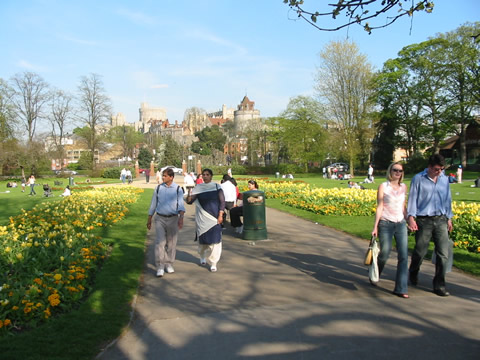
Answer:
(435, 228)
(387, 230)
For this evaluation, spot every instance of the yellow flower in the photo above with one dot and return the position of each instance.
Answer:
(58, 277)
(19, 256)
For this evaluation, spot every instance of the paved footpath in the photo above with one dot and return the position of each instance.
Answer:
(301, 294)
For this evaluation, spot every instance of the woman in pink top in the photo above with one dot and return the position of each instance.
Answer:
(390, 223)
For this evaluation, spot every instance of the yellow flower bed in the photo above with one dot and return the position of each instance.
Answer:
(50, 254)
(356, 202)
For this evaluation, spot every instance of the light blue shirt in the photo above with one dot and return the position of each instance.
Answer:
(428, 198)
(167, 200)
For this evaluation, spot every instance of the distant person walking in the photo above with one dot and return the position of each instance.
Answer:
(390, 223)
(147, 176)
(167, 203)
(209, 208)
(123, 175)
(430, 216)
(31, 182)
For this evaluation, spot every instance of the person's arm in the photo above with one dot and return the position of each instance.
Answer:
(181, 208)
(221, 199)
(191, 198)
(378, 213)
(412, 204)
(151, 210)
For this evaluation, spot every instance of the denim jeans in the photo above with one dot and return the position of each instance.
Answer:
(435, 228)
(387, 230)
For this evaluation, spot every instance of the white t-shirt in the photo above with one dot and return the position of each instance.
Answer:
(229, 191)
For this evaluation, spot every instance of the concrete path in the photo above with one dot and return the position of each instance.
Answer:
(301, 294)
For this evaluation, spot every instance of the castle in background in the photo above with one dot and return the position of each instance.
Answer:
(153, 120)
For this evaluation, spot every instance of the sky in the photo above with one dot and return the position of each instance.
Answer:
(178, 54)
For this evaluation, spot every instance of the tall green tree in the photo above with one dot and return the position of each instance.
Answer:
(462, 80)
(173, 151)
(302, 130)
(426, 62)
(144, 158)
(344, 83)
(210, 139)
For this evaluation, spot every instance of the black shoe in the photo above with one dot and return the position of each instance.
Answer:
(441, 292)
(413, 279)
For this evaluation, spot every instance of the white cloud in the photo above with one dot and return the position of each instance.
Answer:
(136, 17)
(29, 66)
(78, 41)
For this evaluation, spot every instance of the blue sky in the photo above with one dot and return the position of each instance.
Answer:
(177, 54)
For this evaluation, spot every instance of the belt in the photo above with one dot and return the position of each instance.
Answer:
(166, 215)
(430, 216)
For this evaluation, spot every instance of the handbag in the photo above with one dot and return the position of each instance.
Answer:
(369, 254)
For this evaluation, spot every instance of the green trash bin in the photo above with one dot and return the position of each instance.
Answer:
(254, 224)
(70, 181)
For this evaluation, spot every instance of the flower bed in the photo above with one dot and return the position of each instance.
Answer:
(50, 254)
(356, 202)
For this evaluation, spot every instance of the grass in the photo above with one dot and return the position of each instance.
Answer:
(82, 333)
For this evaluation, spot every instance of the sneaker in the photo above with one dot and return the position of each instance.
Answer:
(240, 229)
(160, 272)
(169, 269)
(203, 261)
(213, 268)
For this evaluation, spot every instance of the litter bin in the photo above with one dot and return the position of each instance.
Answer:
(277, 175)
(70, 181)
(254, 224)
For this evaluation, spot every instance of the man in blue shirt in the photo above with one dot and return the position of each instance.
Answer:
(430, 216)
(167, 203)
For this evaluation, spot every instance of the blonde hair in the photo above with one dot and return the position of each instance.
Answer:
(389, 172)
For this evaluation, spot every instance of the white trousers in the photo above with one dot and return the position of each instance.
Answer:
(211, 253)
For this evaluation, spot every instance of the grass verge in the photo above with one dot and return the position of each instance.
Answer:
(361, 226)
(82, 333)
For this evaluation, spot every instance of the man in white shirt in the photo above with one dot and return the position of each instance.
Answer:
(230, 193)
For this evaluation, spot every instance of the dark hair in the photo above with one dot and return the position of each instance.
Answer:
(169, 172)
(436, 159)
(254, 183)
(208, 170)
(226, 177)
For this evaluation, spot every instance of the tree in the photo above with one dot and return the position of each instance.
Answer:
(127, 137)
(172, 154)
(462, 77)
(30, 94)
(360, 11)
(344, 83)
(426, 63)
(302, 130)
(144, 158)
(95, 108)
(61, 112)
(209, 139)
(7, 113)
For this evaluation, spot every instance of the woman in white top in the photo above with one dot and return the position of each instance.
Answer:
(390, 222)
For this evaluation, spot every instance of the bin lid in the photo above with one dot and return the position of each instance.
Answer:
(253, 193)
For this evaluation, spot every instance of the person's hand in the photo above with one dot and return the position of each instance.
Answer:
(220, 218)
(375, 232)
(412, 224)
(149, 223)
(180, 222)
(449, 225)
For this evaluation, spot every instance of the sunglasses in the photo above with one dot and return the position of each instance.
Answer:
(397, 170)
